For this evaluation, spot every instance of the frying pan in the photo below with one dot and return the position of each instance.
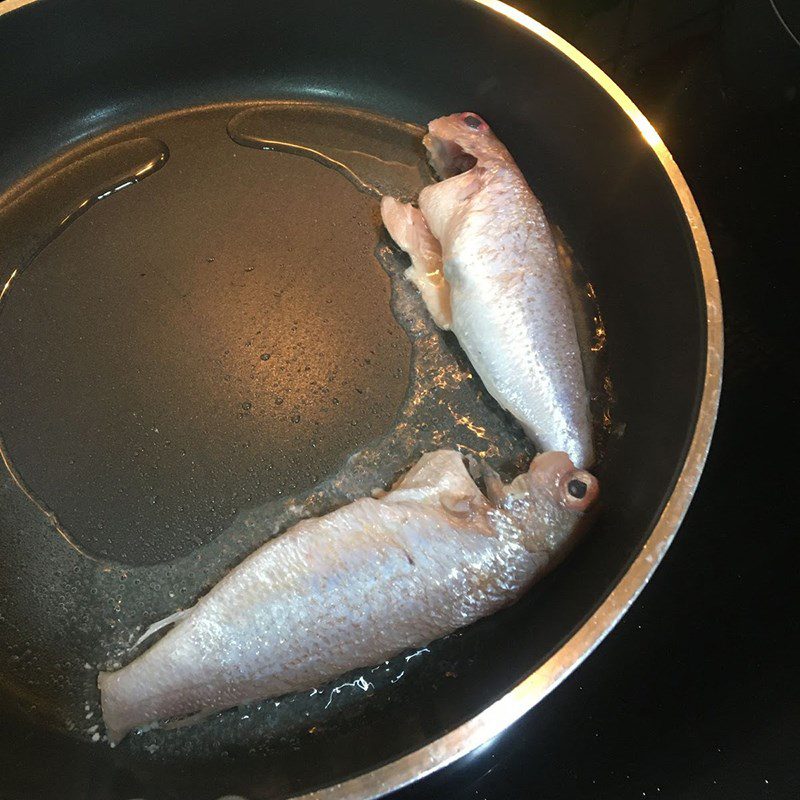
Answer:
(123, 319)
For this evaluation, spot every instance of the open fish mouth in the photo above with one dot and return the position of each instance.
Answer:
(447, 157)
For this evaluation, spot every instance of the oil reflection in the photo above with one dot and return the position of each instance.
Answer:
(379, 156)
(33, 219)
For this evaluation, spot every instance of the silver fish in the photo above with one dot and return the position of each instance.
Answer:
(485, 261)
(355, 587)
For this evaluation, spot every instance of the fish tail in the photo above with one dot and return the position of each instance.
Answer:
(114, 711)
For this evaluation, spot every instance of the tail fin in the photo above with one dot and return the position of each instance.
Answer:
(113, 710)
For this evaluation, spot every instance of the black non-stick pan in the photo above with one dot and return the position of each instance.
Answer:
(202, 341)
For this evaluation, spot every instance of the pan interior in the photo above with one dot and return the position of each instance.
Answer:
(209, 337)
(119, 62)
(198, 342)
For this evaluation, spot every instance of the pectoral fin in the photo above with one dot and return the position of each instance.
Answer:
(408, 228)
(162, 623)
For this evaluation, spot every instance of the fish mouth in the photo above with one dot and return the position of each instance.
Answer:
(446, 156)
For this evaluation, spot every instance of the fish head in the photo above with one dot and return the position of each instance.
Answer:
(548, 506)
(458, 142)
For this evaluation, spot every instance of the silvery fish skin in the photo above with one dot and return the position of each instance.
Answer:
(355, 587)
(485, 261)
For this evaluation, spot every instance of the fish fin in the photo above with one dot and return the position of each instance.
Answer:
(407, 226)
(461, 505)
(113, 710)
(189, 719)
(496, 490)
(115, 735)
(162, 623)
(435, 474)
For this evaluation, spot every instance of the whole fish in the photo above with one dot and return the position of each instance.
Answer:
(485, 261)
(355, 587)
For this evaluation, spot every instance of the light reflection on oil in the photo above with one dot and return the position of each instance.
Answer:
(33, 219)
(51, 518)
(599, 333)
(7, 284)
(478, 430)
(379, 156)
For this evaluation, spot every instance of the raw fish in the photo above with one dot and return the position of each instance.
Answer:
(485, 261)
(355, 587)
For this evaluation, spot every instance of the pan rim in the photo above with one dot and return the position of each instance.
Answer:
(501, 714)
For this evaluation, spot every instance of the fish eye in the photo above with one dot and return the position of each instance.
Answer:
(579, 490)
(471, 121)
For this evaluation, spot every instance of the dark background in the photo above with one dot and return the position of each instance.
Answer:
(694, 694)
